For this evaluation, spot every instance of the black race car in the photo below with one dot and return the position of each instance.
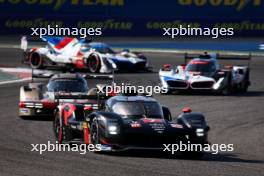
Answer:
(129, 122)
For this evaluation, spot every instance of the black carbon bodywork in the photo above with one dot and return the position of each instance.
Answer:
(147, 132)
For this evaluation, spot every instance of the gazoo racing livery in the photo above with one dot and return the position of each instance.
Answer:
(72, 53)
(204, 73)
(129, 122)
(35, 101)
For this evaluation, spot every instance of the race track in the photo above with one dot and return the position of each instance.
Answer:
(236, 119)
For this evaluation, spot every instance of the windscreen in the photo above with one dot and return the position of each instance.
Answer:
(103, 49)
(67, 85)
(137, 110)
(201, 66)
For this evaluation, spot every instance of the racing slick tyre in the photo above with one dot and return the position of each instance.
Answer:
(94, 63)
(36, 61)
(245, 83)
(192, 154)
(227, 90)
(94, 132)
(62, 132)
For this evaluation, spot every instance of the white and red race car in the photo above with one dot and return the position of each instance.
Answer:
(204, 73)
(72, 53)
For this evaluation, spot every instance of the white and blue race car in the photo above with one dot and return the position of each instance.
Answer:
(203, 72)
(72, 53)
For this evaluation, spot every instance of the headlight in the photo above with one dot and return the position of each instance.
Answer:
(111, 62)
(113, 129)
(200, 132)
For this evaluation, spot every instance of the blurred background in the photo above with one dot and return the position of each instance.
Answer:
(134, 23)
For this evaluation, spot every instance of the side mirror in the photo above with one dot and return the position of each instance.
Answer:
(186, 110)
(87, 110)
(166, 113)
(166, 67)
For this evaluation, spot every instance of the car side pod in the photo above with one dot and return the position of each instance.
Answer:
(192, 119)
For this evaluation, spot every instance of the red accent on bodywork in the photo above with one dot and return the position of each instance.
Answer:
(67, 113)
(64, 42)
(21, 104)
(79, 54)
(183, 66)
(112, 94)
(86, 135)
(146, 120)
(167, 66)
(79, 63)
(33, 49)
(103, 141)
(88, 108)
(199, 62)
(49, 104)
(186, 110)
(60, 135)
(228, 66)
(135, 125)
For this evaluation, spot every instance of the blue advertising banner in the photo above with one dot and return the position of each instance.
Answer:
(132, 17)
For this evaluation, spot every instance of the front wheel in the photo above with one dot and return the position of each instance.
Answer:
(94, 132)
(227, 90)
(94, 63)
(246, 82)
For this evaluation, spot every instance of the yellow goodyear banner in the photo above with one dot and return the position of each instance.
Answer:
(131, 17)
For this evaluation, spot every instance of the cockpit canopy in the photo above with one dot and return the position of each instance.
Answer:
(68, 85)
(99, 47)
(202, 66)
(137, 109)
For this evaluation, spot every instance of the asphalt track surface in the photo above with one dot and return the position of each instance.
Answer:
(236, 119)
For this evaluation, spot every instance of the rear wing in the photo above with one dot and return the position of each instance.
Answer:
(244, 57)
(95, 101)
(50, 73)
(60, 96)
(48, 40)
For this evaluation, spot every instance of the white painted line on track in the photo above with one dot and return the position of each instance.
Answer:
(16, 71)
(15, 81)
(154, 50)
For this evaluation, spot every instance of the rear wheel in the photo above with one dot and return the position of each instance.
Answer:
(36, 61)
(192, 154)
(94, 63)
(62, 132)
